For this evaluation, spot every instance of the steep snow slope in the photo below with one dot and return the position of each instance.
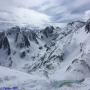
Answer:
(12, 78)
(58, 57)
(22, 81)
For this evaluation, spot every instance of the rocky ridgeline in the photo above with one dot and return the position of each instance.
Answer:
(41, 47)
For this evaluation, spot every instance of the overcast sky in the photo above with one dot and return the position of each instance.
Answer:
(43, 11)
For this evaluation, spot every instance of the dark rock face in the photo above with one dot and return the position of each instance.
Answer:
(4, 43)
(13, 30)
(22, 37)
(16, 28)
(27, 44)
(40, 47)
(33, 36)
(87, 27)
(48, 31)
(22, 40)
(23, 54)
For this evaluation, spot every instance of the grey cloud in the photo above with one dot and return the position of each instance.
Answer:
(82, 9)
(58, 10)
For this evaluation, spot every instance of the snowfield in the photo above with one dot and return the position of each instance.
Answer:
(12, 78)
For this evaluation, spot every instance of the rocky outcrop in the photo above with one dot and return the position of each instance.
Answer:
(32, 36)
(4, 43)
(87, 27)
(13, 30)
(48, 31)
(22, 40)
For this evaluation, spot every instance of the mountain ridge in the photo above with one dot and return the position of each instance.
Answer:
(59, 54)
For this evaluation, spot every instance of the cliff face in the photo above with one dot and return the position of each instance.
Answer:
(4, 43)
(5, 50)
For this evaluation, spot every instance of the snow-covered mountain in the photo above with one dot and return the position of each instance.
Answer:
(52, 58)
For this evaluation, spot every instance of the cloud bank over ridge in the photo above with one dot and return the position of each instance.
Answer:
(43, 11)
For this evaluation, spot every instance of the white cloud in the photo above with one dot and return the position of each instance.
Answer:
(59, 10)
(30, 16)
(16, 11)
(25, 16)
(87, 15)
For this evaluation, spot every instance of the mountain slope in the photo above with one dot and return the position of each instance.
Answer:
(10, 78)
(59, 57)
